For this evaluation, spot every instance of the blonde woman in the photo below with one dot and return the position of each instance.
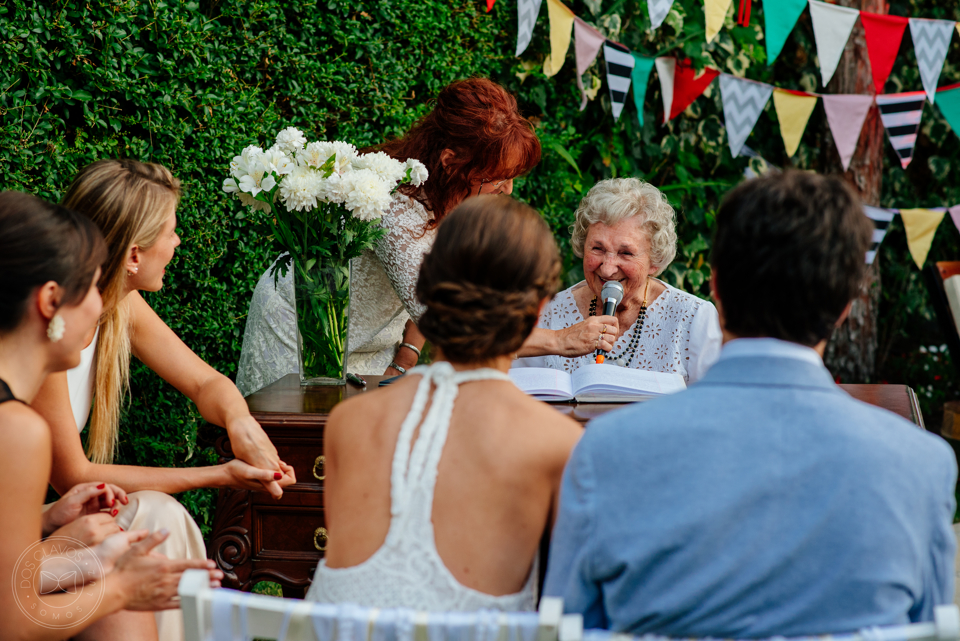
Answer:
(134, 205)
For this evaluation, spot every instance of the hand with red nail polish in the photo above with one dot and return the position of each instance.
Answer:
(82, 499)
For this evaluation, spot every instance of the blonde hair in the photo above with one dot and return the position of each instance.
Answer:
(129, 201)
(616, 199)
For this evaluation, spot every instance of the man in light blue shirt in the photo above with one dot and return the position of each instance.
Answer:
(763, 500)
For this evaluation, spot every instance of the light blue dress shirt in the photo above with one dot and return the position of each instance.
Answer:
(762, 501)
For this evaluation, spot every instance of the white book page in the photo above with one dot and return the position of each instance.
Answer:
(596, 379)
(543, 383)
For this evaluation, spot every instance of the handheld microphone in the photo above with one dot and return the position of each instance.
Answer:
(611, 294)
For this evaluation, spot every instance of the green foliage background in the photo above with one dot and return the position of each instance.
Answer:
(190, 84)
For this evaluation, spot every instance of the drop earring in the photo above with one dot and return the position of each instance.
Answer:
(55, 328)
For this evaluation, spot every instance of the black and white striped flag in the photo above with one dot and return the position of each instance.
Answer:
(900, 113)
(619, 69)
(881, 220)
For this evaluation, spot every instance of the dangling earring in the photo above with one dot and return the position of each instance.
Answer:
(55, 328)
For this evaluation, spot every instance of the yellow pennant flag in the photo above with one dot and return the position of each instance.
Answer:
(716, 11)
(793, 112)
(561, 27)
(920, 225)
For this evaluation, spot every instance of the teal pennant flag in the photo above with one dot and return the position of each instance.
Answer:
(779, 16)
(948, 100)
(641, 74)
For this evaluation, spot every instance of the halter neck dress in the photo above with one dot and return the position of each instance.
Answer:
(407, 571)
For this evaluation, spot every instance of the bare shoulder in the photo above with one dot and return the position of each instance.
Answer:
(23, 433)
(554, 433)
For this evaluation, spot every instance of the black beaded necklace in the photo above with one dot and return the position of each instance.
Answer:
(631, 348)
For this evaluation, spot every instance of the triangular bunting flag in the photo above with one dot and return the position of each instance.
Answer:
(779, 16)
(884, 34)
(619, 69)
(832, 25)
(667, 70)
(641, 74)
(931, 39)
(845, 115)
(715, 12)
(920, 225)
(527, 12)
(561, 27)
(901, 113)
(743, 102)
(687, 87)
(658, 10)
(948, 100)
(793, 112)
(881, 220)
(955, 216)
(490, 5)
(587, 43)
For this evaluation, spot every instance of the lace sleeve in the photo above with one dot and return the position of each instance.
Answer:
(402, 248)
(705, 341)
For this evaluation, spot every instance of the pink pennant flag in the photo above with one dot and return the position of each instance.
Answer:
(845, 115)
(955, 215)
(587, 43)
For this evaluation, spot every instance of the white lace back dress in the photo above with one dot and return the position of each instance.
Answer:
(681, 334)
(407, 570)
(382, 299)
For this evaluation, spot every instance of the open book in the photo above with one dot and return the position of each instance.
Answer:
(595, 383)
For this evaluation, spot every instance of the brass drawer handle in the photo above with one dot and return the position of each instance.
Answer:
(319, 471)
(320, 539)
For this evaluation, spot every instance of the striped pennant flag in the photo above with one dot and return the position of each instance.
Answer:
(619, 69)
(901, 113)
(881, 220)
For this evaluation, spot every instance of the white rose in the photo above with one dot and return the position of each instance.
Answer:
(418, 172)
(291, 140)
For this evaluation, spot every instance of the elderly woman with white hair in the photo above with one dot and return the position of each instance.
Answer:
(624, 231)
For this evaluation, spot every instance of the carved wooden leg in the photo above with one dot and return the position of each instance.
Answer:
(229, 543)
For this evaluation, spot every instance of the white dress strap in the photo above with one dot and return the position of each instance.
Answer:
(417, 465)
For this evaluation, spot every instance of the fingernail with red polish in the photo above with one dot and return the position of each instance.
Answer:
(112, 501)
(115, 512)
(121, 529)
(101, 486)
(277, 476)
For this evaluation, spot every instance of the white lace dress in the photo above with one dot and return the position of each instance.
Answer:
(407, 571)
(382, 298)
(681, 334)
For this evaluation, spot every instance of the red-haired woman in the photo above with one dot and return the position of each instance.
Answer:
(473, 142)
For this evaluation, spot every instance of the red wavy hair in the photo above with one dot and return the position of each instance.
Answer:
(479, 121)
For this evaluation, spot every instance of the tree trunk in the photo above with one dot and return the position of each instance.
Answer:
(852, 350)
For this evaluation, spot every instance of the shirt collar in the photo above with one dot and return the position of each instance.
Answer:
(770, 348)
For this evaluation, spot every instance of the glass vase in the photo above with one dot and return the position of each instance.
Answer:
(322, 294)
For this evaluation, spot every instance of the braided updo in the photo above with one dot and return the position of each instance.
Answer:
(492, 263)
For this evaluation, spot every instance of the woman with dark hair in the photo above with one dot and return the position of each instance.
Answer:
(473, 142)
(443, 509)
(50, 259)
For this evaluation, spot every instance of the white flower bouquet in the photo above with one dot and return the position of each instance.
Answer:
(322, 202)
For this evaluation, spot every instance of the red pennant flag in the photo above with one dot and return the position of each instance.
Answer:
(688, 86)
(884, 34)
(490, 5)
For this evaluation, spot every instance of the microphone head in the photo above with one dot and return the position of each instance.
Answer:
(612, 289)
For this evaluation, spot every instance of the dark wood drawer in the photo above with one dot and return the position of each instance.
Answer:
(288, 532)
(306, 457)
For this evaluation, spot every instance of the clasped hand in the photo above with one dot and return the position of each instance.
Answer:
(257, 465)
(596, 332)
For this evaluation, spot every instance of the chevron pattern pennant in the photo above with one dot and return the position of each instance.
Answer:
(527, 12)
(743, 102)
(619, 69)
(931, 40)
(658, 11)
(881, 220)
(901, 113)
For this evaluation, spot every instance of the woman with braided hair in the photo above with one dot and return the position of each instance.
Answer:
(440, 486)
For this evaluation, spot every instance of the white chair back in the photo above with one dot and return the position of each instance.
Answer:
(228, 615)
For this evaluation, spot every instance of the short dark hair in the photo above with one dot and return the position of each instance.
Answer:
(41, 242)
(788, 253)
(493, 261)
